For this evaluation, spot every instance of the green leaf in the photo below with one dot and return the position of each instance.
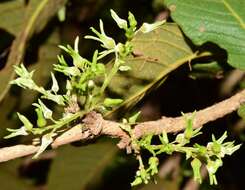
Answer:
(74, 167)
(219, 21)
(37, 14)
(12, 14)
(156, 54)
(28, 125)
(15, 13)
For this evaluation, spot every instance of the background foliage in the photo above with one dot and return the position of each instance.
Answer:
(31, 31)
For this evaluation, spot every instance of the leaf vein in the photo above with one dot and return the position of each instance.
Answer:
(232, 11)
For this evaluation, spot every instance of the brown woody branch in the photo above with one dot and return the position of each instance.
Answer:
(97, 126)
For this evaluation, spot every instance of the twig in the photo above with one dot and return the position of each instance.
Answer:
(9, 153)
(95, 125)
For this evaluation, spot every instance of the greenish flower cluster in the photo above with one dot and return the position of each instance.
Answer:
(86, 82)
(210, 155)
(84, 90)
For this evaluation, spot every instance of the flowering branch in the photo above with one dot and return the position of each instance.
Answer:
(96, 126)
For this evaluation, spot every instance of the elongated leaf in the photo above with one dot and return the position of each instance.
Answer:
(156, 54)
(15, 13)
(74, 167)
(37, 15)
(219, 21)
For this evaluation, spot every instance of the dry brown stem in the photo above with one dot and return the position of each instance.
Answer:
(97, 126)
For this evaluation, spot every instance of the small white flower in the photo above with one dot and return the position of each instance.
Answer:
(146, 27)
(76, 44)
(17, 132)
(55, 86)
(47, 113)
(107, 42)
(45, 142)
(120, 22)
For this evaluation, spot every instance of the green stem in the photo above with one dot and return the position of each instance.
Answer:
(61, 123)
(111, 74)
(69, 119)
(177, 148)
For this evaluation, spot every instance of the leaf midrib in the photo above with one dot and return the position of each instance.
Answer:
(234, 14)
(150, 85)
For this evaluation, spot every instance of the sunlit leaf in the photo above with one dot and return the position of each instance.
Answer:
(11, 17)
(219, 21)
